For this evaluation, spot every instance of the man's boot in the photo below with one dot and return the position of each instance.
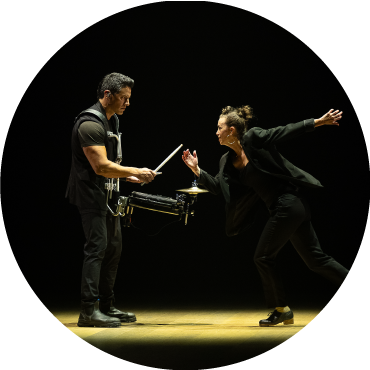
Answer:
(108, 309)
(91, 316)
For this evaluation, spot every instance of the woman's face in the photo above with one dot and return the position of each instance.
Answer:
(223, 131)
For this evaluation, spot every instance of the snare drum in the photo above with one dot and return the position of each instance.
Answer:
(156, 203)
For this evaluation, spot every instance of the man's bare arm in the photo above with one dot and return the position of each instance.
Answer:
(97, 157)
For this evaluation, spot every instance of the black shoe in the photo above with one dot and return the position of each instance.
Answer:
(108, 309)
(278, 317)
(91, 316)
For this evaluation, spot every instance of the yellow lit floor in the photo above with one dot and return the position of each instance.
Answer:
(189, 339)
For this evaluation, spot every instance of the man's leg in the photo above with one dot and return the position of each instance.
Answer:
(94, 226)
(109, 271)
(111, 259)
(95, 231)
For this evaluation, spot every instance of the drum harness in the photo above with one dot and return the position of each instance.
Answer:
(125, 205)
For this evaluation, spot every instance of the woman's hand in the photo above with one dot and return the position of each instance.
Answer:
(191, 161)
(329, 118)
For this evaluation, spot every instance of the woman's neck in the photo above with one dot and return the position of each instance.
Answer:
(236, 147)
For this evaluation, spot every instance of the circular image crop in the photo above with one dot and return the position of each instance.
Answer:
(166, 276)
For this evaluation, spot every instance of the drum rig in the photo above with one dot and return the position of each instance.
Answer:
(124, 205)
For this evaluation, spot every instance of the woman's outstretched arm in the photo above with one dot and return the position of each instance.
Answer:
(265, 138)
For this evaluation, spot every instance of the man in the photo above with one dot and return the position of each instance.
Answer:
(93, 156)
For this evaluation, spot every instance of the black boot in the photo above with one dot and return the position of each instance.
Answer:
(108, 309)
(91, 316)
(278, 317)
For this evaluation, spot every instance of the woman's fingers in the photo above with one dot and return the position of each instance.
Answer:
(336, 116)
(189, 159)
(188, 163)
(335, 113)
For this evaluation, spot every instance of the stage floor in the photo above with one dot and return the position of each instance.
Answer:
(188, 339)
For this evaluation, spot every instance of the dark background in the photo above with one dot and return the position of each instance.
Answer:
(188, 60)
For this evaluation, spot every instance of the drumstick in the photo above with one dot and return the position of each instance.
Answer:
(167, 159)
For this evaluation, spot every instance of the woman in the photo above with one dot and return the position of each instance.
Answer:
(252, 172)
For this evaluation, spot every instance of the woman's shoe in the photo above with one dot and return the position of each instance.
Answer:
(276, 317)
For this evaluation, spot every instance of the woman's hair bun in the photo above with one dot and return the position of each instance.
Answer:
(238, 117)
(245, 112)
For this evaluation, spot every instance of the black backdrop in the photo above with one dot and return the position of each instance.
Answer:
(188, 62)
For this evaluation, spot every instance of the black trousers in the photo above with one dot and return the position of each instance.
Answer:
(290, 220)
(102, 252)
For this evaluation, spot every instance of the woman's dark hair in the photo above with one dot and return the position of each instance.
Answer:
(238, 117)
(114, 82)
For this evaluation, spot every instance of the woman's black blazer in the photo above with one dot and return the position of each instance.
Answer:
(259, 147)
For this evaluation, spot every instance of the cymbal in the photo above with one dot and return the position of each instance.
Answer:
(193, 190)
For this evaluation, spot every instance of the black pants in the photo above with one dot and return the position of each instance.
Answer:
(290, 220)
(102, 252)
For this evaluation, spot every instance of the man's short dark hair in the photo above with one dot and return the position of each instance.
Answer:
(114, 82)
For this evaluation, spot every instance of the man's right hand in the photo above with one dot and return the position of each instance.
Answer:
(146, 175)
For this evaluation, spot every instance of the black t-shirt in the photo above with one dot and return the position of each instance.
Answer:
(266, 186)
(92, 133)
(236, 188)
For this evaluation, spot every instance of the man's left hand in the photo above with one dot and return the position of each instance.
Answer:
(133, 179)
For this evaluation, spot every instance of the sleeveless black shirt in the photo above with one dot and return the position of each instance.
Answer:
(85, 188)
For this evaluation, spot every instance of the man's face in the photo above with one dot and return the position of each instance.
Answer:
(120, 101)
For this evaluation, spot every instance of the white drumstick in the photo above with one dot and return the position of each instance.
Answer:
(167, 159)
